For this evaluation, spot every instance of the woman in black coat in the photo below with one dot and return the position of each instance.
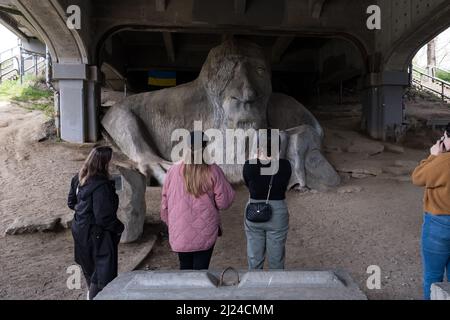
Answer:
(96, 229)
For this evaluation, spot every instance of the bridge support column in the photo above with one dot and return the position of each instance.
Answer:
(79, 93)
(383, 107)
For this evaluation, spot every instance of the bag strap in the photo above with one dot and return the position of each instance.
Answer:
(270, 187)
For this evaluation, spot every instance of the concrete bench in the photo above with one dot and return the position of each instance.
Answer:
(252, 285)
(440, 291)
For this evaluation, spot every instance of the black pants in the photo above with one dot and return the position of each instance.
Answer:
(198, 260)
(96, 251)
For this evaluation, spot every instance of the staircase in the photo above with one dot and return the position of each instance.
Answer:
(17, 62)
(424, 82)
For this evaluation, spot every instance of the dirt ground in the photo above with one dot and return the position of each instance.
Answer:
(374, 218)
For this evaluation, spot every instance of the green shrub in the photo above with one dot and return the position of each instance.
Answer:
(443, 75)
(32, 94)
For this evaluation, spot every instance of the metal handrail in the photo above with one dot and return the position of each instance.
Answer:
(424, 69)
(11, 58)
(443, 84)
(10, 71)
(431, 77)
(4, 74)
(8, 65)
(429, 88)
(38, 65)
(41, 64)
(34, 66)
(9, 50)
(447, 71)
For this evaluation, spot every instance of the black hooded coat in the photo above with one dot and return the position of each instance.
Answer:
(95, 228)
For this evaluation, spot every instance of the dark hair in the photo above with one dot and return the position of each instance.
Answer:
(447, 129)
(96, 164)
(269, 142)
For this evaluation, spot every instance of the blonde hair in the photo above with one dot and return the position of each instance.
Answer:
(197, 177)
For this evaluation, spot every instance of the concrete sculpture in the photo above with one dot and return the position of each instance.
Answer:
(232, 91)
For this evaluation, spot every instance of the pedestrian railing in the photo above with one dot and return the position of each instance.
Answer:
(424, 81)
(9, 69)
(17, 62)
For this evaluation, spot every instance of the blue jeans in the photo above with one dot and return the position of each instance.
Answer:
(268, 238)
(435, 250)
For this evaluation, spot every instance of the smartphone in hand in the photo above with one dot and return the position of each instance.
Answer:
(442, 146)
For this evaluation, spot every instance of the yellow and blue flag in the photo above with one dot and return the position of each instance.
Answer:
(160, 78)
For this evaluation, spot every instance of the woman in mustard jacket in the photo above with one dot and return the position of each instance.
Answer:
(433, 173)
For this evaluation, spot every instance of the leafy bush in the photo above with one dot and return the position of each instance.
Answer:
(32, 94)
(443, 75)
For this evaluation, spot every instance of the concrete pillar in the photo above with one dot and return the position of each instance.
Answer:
(79, 101)
(93, 103)
(383, 108)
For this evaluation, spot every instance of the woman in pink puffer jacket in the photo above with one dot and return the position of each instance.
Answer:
(192, 196)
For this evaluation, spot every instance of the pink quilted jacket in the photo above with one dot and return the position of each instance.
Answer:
(193, 222)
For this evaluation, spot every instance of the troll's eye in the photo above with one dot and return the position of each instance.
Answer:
(261, 70)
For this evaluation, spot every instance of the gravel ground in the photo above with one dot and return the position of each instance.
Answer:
(376, 223)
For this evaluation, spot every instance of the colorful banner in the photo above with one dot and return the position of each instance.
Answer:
(162, 78)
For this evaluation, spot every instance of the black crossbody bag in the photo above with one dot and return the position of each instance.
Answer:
(260, 211)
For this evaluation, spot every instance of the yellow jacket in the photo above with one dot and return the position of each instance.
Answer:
(433, 173)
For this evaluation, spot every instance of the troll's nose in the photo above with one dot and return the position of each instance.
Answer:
(248, 93)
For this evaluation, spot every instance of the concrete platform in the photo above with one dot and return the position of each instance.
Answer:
(440, 291)
(252, 285)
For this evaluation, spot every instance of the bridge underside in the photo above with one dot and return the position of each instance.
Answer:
(310, 43)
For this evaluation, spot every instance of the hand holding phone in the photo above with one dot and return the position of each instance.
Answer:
(442, 148)
(437, 148)
(441, 145)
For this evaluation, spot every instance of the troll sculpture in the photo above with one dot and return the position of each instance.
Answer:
(232, 91)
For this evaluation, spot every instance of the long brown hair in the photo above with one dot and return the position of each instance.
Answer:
(197, 176)
(96, 164)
